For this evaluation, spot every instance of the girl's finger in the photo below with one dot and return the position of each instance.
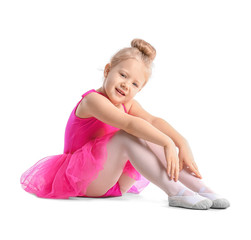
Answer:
(177, 174)
(168, 168)
(172, 172)
(195, 165)
(197, 170)
(193, 169)
(181, 165)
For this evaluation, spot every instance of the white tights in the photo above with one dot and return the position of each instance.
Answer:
(148, 159)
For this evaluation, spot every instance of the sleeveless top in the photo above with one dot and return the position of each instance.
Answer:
(81, 130)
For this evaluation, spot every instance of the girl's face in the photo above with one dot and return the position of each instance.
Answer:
(128, 76)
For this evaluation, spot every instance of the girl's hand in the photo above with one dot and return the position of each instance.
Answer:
(186, 158)
(172, 161)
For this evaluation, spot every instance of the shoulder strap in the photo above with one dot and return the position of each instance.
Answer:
(93, 90)
(124, 107)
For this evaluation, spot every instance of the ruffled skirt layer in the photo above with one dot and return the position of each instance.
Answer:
(69, 174)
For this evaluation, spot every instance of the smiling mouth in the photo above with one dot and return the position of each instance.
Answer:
(120, 92)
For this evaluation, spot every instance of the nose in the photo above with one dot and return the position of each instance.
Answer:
(124, 86)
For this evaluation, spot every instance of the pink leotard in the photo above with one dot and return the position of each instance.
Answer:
(69, 174)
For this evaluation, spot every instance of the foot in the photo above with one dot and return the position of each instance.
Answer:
(218, 201)
(188, 199)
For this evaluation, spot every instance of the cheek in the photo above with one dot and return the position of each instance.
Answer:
(133, 93)
(109, 82)
(112, 82)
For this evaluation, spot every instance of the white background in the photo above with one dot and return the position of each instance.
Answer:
(51, 52)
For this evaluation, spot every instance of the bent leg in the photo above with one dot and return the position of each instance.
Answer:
(124, 146)
(113, 167)
(186, 197)
(147, 163)
(190, 181)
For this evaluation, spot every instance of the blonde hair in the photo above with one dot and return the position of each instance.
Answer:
(139, 50)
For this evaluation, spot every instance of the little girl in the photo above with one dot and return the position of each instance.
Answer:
(113, 146)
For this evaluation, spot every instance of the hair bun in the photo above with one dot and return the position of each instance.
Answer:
(144, 47)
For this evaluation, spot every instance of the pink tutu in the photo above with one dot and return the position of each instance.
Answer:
(69, 174)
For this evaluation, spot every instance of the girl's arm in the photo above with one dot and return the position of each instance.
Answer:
(137, 110)
(166, 128)
(185, 153)
(101, 108)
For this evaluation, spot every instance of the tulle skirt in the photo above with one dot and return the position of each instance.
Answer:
(69, 174)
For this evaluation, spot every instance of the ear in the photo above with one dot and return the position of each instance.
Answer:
(107, 69)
